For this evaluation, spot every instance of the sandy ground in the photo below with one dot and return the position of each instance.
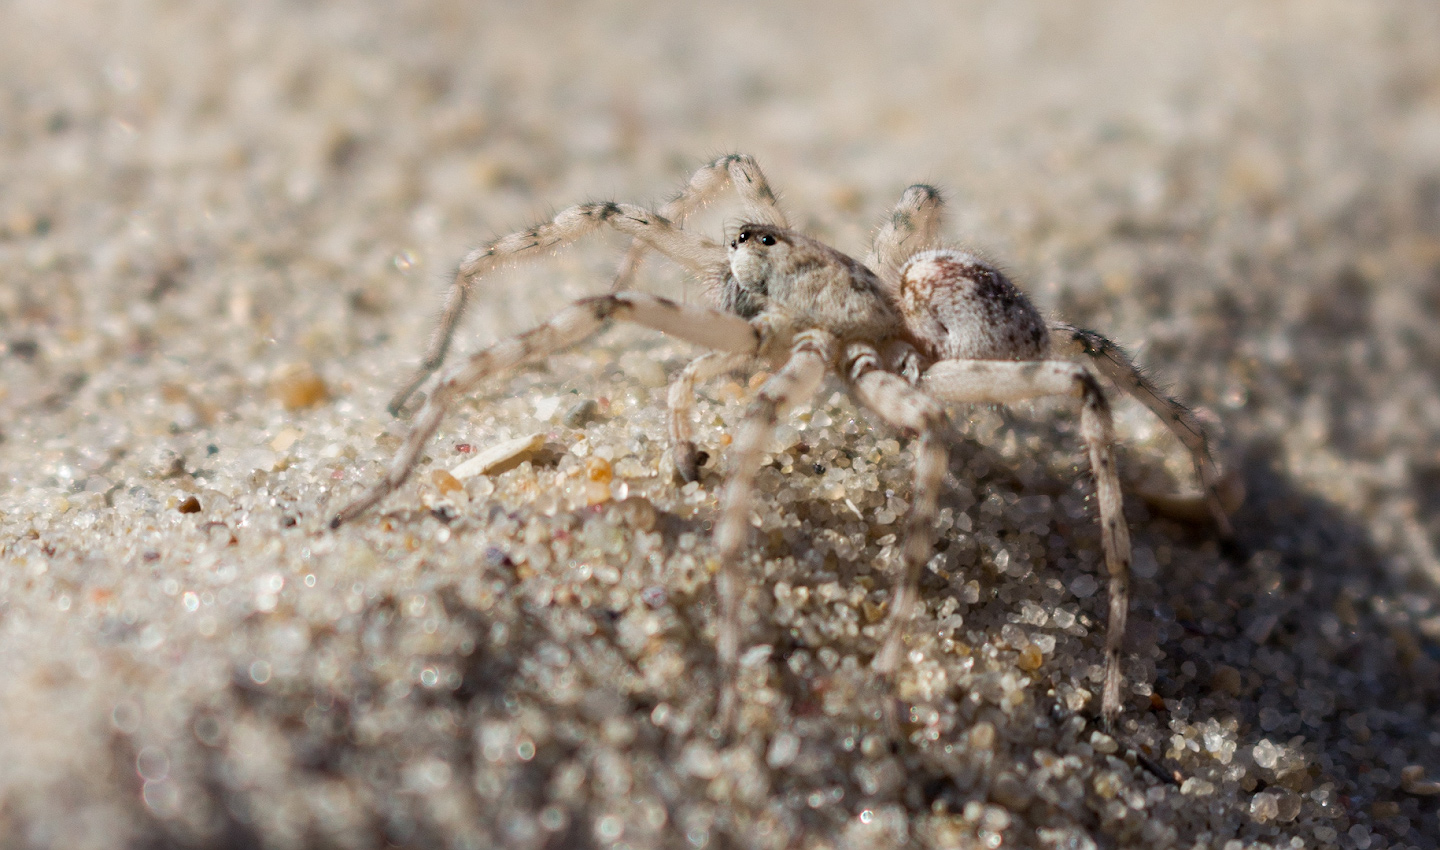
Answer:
(224, 233)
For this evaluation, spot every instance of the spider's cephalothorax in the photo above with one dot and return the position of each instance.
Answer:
(908, 329)
(812, 284)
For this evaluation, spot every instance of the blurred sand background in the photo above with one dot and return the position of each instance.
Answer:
(224, 233)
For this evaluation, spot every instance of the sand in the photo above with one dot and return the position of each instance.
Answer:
(225, 232)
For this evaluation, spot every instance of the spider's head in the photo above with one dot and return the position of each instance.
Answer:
(809, 281)
(757, 253)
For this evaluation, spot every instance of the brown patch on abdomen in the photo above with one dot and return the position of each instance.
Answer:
(957, 307)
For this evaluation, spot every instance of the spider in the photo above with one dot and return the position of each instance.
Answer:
(910, 328)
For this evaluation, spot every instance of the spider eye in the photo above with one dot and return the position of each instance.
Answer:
(767, 239)
(743, 237)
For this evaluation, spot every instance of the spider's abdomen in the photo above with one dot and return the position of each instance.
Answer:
(958, 307)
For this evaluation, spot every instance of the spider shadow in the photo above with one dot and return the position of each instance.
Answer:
(1298, 635)
(1300, 632)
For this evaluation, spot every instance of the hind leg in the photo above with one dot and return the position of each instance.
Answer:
(1005, 382)
(1223, 495)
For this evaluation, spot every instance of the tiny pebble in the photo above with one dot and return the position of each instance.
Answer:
(1227, 680)
(598, 469)
(1413, 781)
(445, 482)
(783, 749)
(1103, 743)
(1084, 586)
(500, 457)
(285, 439)
(1030, 658)
(638, 513)
(298, 387)
(1197, 787)
(1264, 807)
(580, 413)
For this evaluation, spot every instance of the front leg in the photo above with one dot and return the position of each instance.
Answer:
(700, 325)
(796, 381)
(695, 253)
(907, 408)
(738, 170)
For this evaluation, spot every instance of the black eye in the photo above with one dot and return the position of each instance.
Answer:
(743, 237)
(767, 239)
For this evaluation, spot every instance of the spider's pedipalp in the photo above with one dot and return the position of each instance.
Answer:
(911, 227)
(1222, 495)
(701, 325)
(693, 252)
(1006, 382)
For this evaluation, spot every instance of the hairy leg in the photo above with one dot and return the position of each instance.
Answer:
(683, 455)
(1222, 495)
(738, 170)
(907, 408)
(797, 380)
(1004, 382)
(911, 227)
(694, 252)
(701, 325)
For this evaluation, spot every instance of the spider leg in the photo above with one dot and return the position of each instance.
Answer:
(684, 457)
(795, 381)
(694, 252)
(911, 227)
(905, 407)
(1222, 494)
(1004, 382)
(738, 170)
(701, 325)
